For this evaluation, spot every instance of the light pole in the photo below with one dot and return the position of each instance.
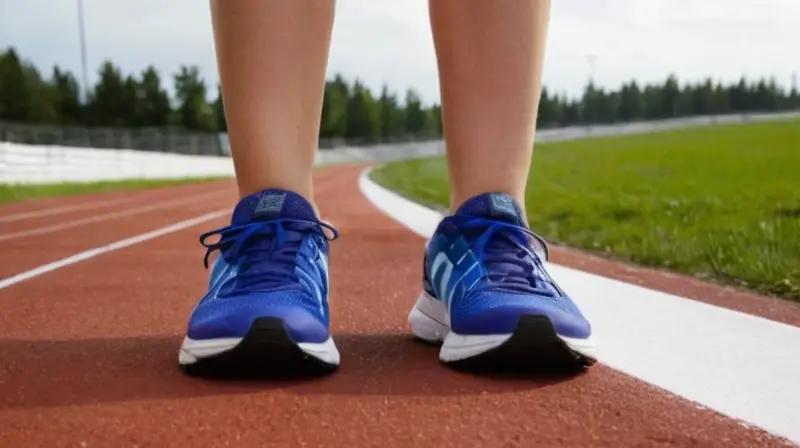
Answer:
(82, 31)
(591, 59)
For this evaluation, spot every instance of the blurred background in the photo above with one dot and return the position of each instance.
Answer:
(97, 90)
(669, 138)
(142, 75)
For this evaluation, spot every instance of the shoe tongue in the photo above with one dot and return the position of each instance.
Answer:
(507, 268)
(497, 206)
(272, 204)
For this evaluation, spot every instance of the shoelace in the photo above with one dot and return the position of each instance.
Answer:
(257, 241)
(496, 241)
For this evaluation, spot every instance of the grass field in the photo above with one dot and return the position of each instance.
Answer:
(20, 192)
(721, 203)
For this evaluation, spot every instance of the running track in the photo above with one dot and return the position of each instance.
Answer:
(88, 349)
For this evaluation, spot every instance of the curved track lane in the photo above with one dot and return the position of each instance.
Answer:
(88, 355)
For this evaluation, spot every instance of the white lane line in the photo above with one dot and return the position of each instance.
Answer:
(57, 210)
(738, 364)
(91, 253)
(109, 216)
(49, 211)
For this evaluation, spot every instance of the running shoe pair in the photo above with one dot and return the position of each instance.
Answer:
(486, 295)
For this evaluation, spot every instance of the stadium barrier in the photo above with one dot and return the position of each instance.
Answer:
(23, 163)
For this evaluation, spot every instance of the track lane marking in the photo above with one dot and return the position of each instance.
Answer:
(38, 207)
(91, 253)
(738, 364)
(130, 241)
(49, 211)
(109, 216)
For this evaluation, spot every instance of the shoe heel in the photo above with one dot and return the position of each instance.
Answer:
(424, 326)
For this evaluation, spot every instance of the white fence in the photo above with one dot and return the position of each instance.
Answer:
(385, 153)
(52, 164)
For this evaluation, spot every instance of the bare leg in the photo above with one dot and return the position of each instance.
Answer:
(490, 56)
(486, 295)
(272, 56)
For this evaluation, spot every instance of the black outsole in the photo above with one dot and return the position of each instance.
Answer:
(533, 347)
(266, 351)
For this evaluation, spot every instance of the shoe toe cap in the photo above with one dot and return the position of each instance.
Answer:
(494, 313)
(235, 316)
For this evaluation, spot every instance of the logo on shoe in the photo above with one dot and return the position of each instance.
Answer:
(270, 204)
(221, 277)
(448, 277)
(315, 278)
(503, 205)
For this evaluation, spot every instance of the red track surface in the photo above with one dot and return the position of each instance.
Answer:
(88, 353)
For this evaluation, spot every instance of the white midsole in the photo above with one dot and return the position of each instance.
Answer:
(194, 350)
(430, 322)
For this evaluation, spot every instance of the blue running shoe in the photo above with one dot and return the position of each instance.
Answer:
(267, 299)
(487, 296)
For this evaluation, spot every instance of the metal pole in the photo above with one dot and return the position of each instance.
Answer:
(82, 31)
(591, 59)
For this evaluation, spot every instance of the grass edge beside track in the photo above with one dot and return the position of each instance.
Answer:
(423, 180)
(18, 192)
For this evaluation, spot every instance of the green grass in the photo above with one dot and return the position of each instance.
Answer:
(721, 203)
(20, 192)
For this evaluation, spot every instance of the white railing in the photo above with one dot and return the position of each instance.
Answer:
(51, 164)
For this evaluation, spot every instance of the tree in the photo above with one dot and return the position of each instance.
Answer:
(152, 100)
(391, 115)
(66, 97)
(670, 98)
(548, 115)
(221, 124)
(107, 103)
(15, 99)
(703, 98)
(334, 108)
(631, 104)
(433, 122)
(415, 115)
(194, 112)
(363, 115)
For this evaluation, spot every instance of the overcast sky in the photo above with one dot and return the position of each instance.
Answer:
(389, 40)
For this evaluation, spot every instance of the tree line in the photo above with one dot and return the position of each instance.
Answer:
(668, 99)
(350, 109)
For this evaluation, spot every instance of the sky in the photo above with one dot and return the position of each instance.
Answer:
(389, 41)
